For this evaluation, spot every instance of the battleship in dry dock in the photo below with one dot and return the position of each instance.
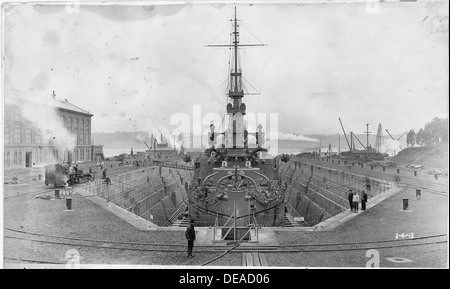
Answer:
(235, 180)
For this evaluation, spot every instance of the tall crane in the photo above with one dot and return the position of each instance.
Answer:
(345, 135)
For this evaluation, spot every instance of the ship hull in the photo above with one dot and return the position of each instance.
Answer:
(246, 212)
(238, 195)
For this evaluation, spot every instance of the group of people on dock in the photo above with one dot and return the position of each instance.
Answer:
(354, 199)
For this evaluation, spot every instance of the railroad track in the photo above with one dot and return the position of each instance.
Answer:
(20, 235)
(41, 191)
(443, 192)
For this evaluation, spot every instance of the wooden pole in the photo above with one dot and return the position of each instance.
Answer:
(235, 221)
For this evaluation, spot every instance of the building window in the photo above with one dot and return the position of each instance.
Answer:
(69, 124)
(28, 136)
(7, 114)
(7, 139)
(17, 133)
(20, 159)
(81, 132)
(8, 159)
(37, 137)
(16, 115)
(75, 129)
(15, 158)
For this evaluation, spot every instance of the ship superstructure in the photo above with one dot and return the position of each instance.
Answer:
(235, 179)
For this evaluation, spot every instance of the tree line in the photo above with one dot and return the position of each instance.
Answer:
(432, 133)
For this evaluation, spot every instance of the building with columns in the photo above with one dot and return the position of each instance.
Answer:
(26, 146)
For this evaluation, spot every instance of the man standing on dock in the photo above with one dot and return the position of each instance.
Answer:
(363, 200)
(350, 199)
(190, 236)
(356, 202)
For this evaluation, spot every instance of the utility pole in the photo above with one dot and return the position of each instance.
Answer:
(339, 144)
(367, 132)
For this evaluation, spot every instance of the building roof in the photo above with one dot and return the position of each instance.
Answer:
(65, 104)
(20, 97)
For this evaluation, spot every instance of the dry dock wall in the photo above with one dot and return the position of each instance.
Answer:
(318, 193)
(152, 193)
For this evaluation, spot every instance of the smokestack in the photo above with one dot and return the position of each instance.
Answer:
(152, 142)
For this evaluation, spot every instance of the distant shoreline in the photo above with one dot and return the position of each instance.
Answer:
(116, 152)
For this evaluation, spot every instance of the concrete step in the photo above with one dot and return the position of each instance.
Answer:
(288, 221)
(182, 222)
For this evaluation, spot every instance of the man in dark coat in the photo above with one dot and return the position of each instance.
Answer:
(363, 200)
(350, 199)
(190, 236)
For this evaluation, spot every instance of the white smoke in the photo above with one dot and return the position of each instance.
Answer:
(390, 146)
(139, 137)
(158, 129)
(295, 137)
(44, 118)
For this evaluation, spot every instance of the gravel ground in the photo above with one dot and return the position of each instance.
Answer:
(428, 216)
(428, 256)
(89, 221)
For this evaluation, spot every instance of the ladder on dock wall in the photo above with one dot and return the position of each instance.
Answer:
(289, 218)
(174, 220)
(184, 222)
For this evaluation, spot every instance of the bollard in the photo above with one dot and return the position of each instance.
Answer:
(69, 203)
(384, 169)
(418, 194)
(405, 204)
(57, 194)
(398, 171)
(415, 173)
(371, 167)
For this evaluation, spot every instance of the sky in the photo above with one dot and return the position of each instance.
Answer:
(135, 66)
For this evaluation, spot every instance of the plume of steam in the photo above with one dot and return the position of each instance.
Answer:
(158, 129)
(390, 145)
(294, 137)
(139, 137)
(43, 116)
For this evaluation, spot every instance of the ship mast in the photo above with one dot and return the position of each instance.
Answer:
(237, 109)
(236, 93)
